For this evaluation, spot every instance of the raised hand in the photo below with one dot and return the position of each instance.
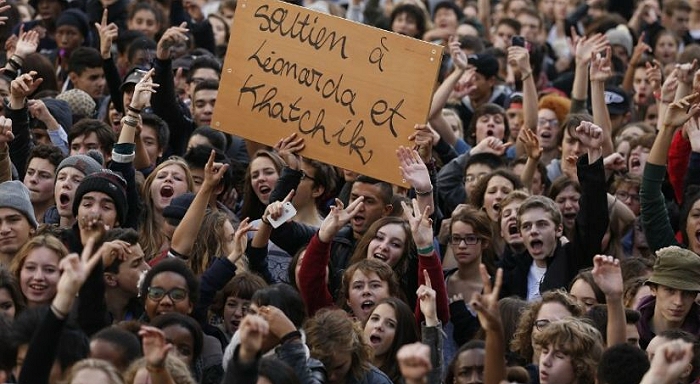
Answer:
(681, 111)
(27, 43)
(413, 169)
(486, 304)
(601, 66)
(686, 71)
(338, 217)
(24, 85)
(608, 275)
(172, 36)
(670, 361)
(414, 362)
(275, 209)
(466, 84)
(253, 330)
(76, 269)
(3, 8)
(519, 59)
(491, 145)
(279, 324)
(590, 135)
(92, 226)
(427, 300)
(240, 240)
(425, 138)
(653, 72)
(531, 143)
(108, 33)
(585, 47)
(213, 172)
(420, 222)
(155, 347)
(6, 134)
(38, 110)
(669, 86)
(143, 91)
(288, 149)
(459, 58)
(693, 132)
(615, 162)
(640, 49)
(112, 250)
(568, 167)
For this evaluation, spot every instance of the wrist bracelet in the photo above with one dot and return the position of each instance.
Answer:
(265, 220)
(132, 109)
(290, 336)
(425, 193)
(14, 64)
(525, 77)
(58, 312)
(426, 251)
(130, 122)
(155, 368)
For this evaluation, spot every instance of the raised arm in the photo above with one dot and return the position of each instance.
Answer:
(531, 143)
(639, 49)
(6, 136)
(608, 276)
(20, 88)
(486, 305)
(108, 32)
(414, 170)
(184, 236)
(155, 351)
(442, 94)
(431, 331)
(584, 47)
(600, 72)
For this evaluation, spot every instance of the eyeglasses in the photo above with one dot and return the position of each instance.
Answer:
(468, 239)
(175, 294)
(304, 175)
(542, 324)
(550, 122)
(624, 195)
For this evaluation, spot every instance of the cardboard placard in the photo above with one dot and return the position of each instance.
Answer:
(352, 91)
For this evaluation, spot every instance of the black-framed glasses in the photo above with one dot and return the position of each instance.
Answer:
(542, 324)
(304, 175)
(175, 294)
(456, 240)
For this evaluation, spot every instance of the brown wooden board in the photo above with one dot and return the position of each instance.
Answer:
(353, 92)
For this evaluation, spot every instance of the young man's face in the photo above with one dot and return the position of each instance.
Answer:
(84, 143)
(91, 80)
(530, 27)
(68, 37)
(484, 86)
(679, 22)
(15, 230)
(130, 271)
(199, 76)
(149, 138)
(39, 179)
(373, 207)
(539, 232)
(203, 106)
(672, 304)
(98, 204)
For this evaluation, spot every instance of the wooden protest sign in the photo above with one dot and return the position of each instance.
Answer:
(352, 91)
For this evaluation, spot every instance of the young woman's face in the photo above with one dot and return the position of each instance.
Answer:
(235, 310)
(555, 366)
(169, 285)
(642, 87)
(548, 313)
(496, 190)
(183, 341)
(583, 293)
(548, 128)
(692, 227)
(7, 304)
(364, 291)
(466, 254)
(405, 24)
(469, 368)
(666, 49)
(380, 329)
(169, 183)
(219, 29)
(490, 125)
(388, 244)
(263, 176)
(39, 276)
(144, 21)
(637, 160)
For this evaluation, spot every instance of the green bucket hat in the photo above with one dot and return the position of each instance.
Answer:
(676, 268)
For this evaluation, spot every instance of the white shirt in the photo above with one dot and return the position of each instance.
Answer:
(534, 279)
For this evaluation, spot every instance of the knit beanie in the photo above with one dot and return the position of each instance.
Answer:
(83, 163)
(76, 18)
(15, 195)
(178, 206)
(109, 183)
(81, 104)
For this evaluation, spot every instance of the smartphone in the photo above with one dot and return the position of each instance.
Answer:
(288, 212)
(518, 41)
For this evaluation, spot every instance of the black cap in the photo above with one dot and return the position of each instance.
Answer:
(178, 206)
(485, 64)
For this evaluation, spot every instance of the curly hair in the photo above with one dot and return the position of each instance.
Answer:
(579, 340)
(383, 271)
(522, 339)
(477, 198)
(332, 332)
(211, 242)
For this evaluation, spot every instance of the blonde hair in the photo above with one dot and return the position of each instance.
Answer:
(579, 340)
(151, 237)
(114, 376)
(41, 241)
(210, 242)
(178, 370)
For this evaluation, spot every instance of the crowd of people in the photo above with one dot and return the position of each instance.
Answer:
(550, 232)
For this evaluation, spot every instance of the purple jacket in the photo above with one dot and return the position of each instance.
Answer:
(646, 309)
